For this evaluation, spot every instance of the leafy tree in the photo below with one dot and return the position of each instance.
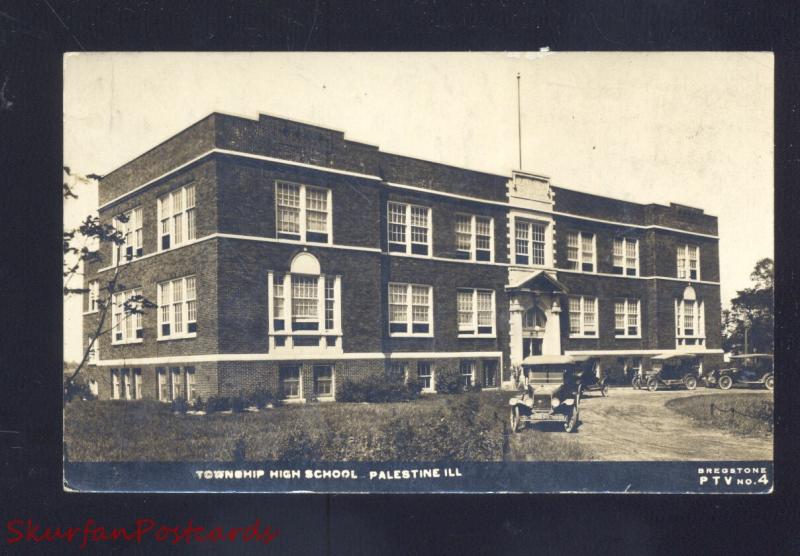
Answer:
(81, 246)
(752, 315)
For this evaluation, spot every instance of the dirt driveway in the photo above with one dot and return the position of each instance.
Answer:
(635, 425)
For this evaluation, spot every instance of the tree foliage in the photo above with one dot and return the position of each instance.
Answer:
(752, 311)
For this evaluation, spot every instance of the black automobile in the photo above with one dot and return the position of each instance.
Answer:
(550, 393)
(586, 373)
(752, 369)
(673, 369)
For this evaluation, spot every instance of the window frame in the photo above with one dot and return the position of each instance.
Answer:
(93, 305)
(684, 272)
(430, 377)
(529, 224)
(122, 325)
(463, 329)
(281, 328)
(472, 364)
(624, 270)
(281, 380)
(171, 217)
(131, 232)
(582, 317)
(332, 381)
(408, 242)
(472, 253)
(698, 336)
(579, 261)
(409, 308)
(185, 300)
(637, 304)
(302, 234)
(495, 366)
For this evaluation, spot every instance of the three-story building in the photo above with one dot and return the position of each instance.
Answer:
(281, 255)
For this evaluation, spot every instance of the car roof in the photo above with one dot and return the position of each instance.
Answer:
(749, 355)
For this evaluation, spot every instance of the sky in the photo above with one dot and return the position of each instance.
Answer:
(690, 128)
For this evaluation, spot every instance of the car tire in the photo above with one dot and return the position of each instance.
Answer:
(515, 419)
(725, 382)
(604, 389)
(571, 424)
(652, 384)
(636, 382)
(690, 382)
(769, 382)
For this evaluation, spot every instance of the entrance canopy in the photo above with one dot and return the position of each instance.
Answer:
(538, 281)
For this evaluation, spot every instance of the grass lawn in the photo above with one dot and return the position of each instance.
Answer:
(748, 414)
(464, 427)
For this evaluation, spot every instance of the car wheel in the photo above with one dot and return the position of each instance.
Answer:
(769, 382)
(652, 384)
(515, 420)
(571, 424)
(604, 389)
(725, 382)
(636, 383)
(690, 382)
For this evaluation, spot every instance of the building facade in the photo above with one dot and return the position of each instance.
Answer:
(281, 255)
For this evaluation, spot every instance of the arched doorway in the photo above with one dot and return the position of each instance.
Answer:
(534, 322)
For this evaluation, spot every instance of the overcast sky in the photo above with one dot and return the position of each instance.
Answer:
(693, 128)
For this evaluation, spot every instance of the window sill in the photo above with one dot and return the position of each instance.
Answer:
(126, 342)
(467, 336)
(293, 400)
(301, 242)
(627, 337)
(407, 335)
(584, 336)
(305, 333)
(184, 337)
(87, 313)
(427, 392)
(173, 247)
(325, 399)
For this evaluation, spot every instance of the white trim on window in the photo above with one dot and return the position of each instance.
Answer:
(426, 375)
(125, 328)
(407, 305)
(177, 308)
(329, 383)
(626, 256)
(578, 252)
(476, 313)
(583, 311)
(627, 318)
(689, 322)
(295, 385)
(94, 296)
(176, 217)
(472, 229)
(405, 225)
(688, 262)
(131, 231)
(531, 245)
(303, 212)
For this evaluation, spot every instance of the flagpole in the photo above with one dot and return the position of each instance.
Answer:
(519, 124)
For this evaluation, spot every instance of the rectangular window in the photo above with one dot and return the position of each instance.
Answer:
(397, 369)
(191, 384)
(126, 317)
(475, 312)
(176, 217)
(137, 384)
(688, 259)
(582, 316)
(467, 373)
(177, 308)
(474, 237)
(425, 376)
(304, 298)
(581, 251)
(490, 374)
(626, 256)
(309, 302)
(163, 384)
(323, 380)
(290, 381)
(115, 384)
(302, 212)
(330, 298)
(175, 383)
(410, 309)
(127, 384)
(530, 242)
(689, 322)
(129, 226)
(626, 318)
(94, 296)
(409, 228)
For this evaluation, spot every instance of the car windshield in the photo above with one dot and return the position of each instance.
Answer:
(545, 374)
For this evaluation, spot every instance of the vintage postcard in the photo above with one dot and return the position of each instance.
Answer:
(418, 272)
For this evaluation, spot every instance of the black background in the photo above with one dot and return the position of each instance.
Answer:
(33, 36)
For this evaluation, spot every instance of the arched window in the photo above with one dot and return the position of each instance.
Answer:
(534, 319)
(689, 319)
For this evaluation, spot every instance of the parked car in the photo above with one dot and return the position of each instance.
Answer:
(551, 393)
(673, 369)
(587, 377)
(751, 369)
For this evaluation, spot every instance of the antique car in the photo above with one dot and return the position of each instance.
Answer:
(550, 392)
(673, 369)
(754, 368)
(586, 375)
